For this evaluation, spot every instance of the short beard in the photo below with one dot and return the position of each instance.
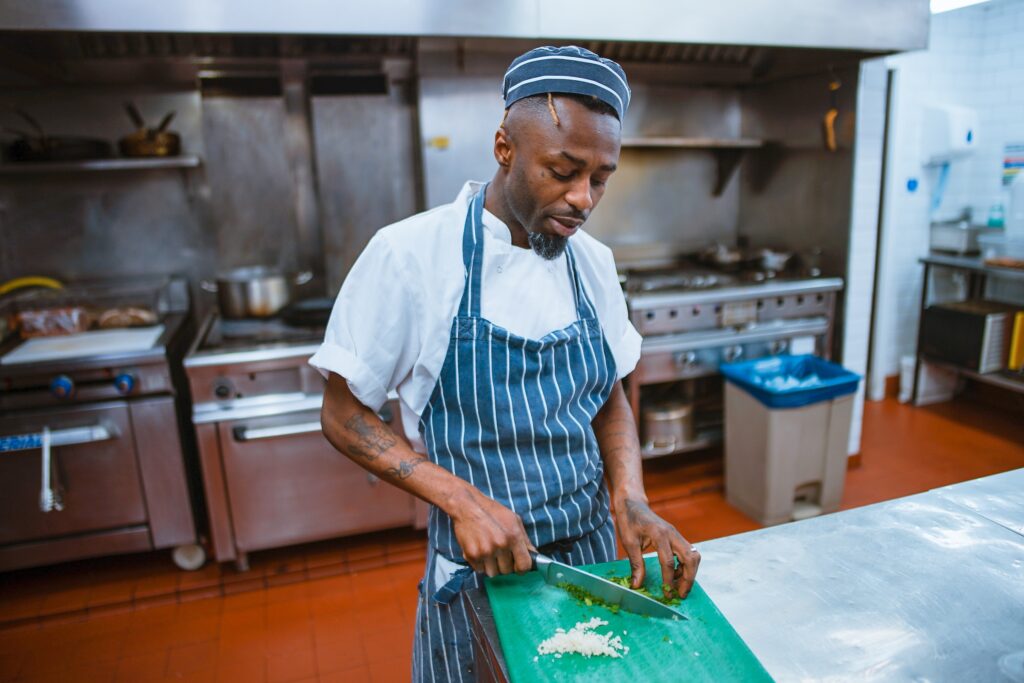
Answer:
(548, 247)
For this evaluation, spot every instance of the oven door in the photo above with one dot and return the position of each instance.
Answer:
(286, 484)
(93, 461)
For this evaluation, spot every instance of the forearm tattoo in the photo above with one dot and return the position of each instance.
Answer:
(370, 440)
(405, 468)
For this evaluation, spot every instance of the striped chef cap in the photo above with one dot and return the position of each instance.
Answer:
(569, 69)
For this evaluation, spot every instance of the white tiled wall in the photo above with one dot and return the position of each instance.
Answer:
(975, 59)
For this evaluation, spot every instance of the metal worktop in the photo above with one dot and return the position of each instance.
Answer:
(915, 589)
(999, 498)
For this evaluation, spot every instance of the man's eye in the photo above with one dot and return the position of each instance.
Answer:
(560, 176)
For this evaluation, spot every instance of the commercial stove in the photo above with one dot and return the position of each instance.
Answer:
(271, 478)
(694, 318)
(94, 437)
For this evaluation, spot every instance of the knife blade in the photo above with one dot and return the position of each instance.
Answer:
(555, 572)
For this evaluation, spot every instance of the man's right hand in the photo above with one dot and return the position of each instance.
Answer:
(492, 537)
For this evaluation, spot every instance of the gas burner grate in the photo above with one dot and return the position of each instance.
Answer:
(247, 332)
(675, 280)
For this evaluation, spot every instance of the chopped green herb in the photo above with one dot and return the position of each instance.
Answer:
(583, 597)
(625, 581)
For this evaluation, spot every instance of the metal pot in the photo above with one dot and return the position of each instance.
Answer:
(667, 427)
(254, 291)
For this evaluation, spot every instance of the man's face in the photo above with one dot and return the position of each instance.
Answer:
(557, 174)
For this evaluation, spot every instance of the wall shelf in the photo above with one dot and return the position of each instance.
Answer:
(727, 151)
(693, 143)
(92, 165)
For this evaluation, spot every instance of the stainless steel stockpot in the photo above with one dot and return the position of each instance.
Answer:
(254, 291)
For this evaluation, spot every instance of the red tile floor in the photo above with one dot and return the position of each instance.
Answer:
(343, 610)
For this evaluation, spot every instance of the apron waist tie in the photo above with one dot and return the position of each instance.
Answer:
(446, 593)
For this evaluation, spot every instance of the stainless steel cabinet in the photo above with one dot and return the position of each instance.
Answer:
(99, 475)
(286, 484)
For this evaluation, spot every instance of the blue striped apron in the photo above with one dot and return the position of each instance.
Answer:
(512, 416)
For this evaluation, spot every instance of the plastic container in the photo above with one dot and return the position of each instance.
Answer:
(996, 216)
(787, 429)
(908, 364)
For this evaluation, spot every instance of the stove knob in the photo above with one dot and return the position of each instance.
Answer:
(733, 353)
(222, 390)
(686, 360)
(124, 383)
(62, 386)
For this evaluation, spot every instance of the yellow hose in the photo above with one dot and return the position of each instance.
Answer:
(31, 281)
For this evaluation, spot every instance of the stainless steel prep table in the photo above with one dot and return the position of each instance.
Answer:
(999, 498)
(914, 589)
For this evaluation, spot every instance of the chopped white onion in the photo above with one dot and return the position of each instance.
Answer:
(581, 639)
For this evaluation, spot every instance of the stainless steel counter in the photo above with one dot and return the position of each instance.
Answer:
(916, 589)
(999, 498)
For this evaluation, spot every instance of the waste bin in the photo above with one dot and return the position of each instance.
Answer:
(787, 426)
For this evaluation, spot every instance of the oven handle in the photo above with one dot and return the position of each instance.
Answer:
(243, 433)
(58, 437)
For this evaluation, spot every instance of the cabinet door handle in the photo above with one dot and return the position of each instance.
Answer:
(243, 433)
(58, 437)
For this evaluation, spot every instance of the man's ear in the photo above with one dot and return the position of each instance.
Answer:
(503, 149)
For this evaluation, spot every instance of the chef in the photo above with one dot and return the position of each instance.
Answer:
(501, 325)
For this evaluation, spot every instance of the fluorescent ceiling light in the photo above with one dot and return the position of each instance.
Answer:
(947, 5)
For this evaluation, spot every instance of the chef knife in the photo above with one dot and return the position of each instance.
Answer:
(555, 572)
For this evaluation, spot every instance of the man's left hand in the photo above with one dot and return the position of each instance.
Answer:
(640, 529)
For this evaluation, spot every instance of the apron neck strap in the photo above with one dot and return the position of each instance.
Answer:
(473, 259)
(584, 309)
(473, 254)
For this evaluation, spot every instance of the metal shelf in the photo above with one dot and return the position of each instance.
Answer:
(998, 379)
(693, 143)
(40, 167)
(977, 274)
(972, 265)
(727, 151)
(706, 438)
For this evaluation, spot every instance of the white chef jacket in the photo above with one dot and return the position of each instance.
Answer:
(391, 323)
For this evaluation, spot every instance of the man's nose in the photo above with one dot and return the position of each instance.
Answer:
(579, 196)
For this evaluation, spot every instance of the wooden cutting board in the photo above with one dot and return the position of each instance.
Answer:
(704, 647)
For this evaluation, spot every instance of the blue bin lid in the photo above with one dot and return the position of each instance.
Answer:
(791, 381)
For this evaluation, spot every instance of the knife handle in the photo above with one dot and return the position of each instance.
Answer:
(541, 562)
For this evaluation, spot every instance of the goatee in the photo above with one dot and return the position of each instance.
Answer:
(548, 247)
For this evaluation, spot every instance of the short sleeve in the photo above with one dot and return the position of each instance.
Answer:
(373, 337)
(623, 339)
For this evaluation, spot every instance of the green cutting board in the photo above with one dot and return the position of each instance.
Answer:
(703, 647)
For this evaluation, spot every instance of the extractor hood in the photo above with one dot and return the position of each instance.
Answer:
(871, 25)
